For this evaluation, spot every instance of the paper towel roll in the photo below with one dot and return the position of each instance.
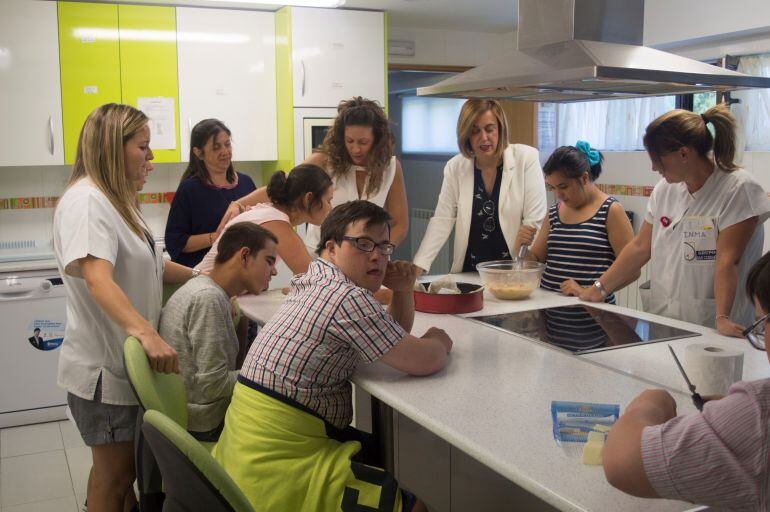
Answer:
(712, 368)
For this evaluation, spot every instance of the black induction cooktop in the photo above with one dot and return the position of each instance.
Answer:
(581, 329)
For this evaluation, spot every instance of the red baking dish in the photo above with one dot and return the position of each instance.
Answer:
(469, 300)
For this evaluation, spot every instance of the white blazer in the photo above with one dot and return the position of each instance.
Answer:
(522, 201)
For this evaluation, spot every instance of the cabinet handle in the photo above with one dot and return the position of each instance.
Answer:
(302, 64)
(50, 135)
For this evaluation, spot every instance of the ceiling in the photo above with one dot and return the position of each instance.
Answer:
(471, 15)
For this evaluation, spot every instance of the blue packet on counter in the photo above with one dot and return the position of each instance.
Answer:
(572, 421)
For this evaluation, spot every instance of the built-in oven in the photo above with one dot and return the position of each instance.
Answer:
(310, 127)
(314, 132)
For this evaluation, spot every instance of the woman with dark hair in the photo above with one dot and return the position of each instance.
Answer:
(304, 196)
(703, 227)
(208, 186)
(358, 153)
(585, 229)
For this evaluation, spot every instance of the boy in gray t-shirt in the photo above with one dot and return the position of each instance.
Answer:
(198, 322)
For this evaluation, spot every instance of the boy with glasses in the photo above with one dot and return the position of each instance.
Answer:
(287, 435)
(718, 457)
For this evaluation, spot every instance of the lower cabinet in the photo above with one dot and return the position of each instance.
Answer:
(448, 480)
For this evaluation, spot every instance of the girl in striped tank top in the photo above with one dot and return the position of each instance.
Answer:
(585, 229)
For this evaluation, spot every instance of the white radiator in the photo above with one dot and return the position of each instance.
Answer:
(629, 296)
(418, 224)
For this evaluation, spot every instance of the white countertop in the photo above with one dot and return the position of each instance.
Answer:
(493, 399)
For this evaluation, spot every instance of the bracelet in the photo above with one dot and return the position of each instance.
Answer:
(211, 239)
(241, 208)
(599, 286)
(723, 316)
(195, 272)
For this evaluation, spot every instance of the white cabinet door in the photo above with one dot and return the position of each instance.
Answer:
(30, 90)
(336, 55)
(226, 64)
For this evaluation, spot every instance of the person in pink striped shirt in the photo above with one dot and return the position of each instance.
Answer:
(719, 457)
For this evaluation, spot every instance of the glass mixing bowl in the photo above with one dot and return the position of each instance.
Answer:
(511, 279)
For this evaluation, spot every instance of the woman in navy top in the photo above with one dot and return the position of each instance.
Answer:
(585, 229)
(207, 188)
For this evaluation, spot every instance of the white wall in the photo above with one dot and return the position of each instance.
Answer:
(439, 47)
(706, 29)
(692, 20)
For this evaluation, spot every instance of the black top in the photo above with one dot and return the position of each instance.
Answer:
(485, 239)
(198, 208)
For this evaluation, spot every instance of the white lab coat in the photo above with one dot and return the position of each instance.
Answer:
(522, 200)
(685, 228)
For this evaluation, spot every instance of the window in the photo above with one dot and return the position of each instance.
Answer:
(611, 125)
(753, 111)
(429, 125)
(703, 101)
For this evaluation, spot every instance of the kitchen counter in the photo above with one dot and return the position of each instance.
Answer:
(492, 401)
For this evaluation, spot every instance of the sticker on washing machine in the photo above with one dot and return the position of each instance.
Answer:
(46, 334)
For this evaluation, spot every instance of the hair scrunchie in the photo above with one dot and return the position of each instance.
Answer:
(593, 155)
(705, 119)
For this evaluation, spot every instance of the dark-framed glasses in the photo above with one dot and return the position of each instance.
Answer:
(366, 244)
(756, 333)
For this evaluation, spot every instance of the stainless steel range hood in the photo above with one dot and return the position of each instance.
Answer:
(584, 50)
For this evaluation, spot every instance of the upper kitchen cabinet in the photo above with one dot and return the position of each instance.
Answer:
(90, 70)
(337, 54)
(30, 101)
(121, 54)
(227, 71)
(148, 72)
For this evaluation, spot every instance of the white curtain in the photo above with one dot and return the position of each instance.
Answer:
(614, 125)
(753, 112)
(428, 125)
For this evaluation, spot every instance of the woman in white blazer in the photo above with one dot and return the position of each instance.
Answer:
(493, 193)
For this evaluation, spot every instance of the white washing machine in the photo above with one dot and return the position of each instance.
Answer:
(32, 319)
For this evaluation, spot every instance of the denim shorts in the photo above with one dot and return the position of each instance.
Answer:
(101, 423)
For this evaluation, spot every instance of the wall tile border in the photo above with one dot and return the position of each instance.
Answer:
(31, 203)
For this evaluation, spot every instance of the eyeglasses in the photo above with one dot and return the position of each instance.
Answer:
(756, 333)
(366, 244)
(489, 209)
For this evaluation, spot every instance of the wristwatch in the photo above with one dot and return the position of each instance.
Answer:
(195, 272)
(599, 286)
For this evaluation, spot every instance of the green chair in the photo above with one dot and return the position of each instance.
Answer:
(159, 391)
(193, 479)
(162, 392)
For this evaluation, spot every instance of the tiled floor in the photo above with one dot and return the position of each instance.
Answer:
(43, 468)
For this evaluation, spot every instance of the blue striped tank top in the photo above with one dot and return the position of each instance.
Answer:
(578, 251)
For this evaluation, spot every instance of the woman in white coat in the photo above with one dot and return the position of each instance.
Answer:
(493, 194)
(703, 227)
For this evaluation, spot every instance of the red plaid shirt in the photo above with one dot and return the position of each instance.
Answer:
(309, 349)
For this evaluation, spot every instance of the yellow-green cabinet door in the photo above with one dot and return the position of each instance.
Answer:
(90, 64)
(148, 64)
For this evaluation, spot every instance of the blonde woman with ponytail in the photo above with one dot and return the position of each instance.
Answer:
(703, 227)
(112, 273)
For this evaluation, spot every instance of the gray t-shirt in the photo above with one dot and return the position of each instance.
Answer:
(197, 322)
